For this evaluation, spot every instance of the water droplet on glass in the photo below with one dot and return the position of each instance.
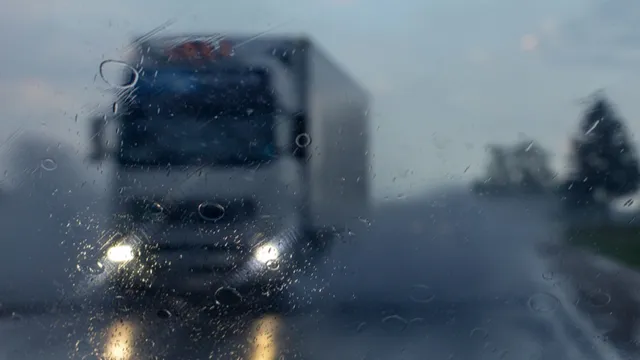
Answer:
(548, 275)
(273, 265)
(48, 164)
(361, 327)
(421, 294)
(115, 107)
(598, 298)
(529, 147)
(227, 296)
(394, 323)
(303, 140)
(111, 73)
(122, 304)
(90, 268)
(156, 208)
(211, 212)
(479, 334)
(155, 211)
(164, 314)
(592, 128)
(543, 302)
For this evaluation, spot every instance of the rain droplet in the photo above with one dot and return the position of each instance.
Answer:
(421, 294)
(361, 327)
(211, 212)
(122, 304)
(592, 128)
(111, 73)
(90, 268)
(115, 107)
(303, 140)
(529, 147)
(548, 275)
(155, 211)
(543, 302)
(227, 296)
(479, 334)
(48, 164)
(273, 265)
(394, 323)
(164, 314)
(598, 298)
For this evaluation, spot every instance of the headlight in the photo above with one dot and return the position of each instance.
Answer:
(266, 253)
(120, 253)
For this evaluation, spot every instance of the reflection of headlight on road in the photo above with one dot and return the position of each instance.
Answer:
(120, 341)
(120, 253)
(266, 335)
(266, 253)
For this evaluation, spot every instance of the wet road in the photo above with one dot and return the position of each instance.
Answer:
(440, 331)
(445, 277)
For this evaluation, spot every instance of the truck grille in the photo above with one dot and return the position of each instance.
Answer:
(193, 212)
(197, 259)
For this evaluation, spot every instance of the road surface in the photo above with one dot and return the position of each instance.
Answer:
(448, 276)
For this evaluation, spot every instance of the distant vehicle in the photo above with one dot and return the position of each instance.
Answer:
(229, 156)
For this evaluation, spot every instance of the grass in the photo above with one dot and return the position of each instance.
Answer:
(621, 243)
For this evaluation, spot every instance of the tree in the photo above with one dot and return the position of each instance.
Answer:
(604, 159)
(498, 171)
(532, 164)
(523, 167)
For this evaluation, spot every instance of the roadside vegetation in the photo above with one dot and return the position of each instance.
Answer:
(604, 169)
(620, 243)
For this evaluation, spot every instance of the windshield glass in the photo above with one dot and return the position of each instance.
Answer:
(184, 117)
(320, 180)
(181, 140)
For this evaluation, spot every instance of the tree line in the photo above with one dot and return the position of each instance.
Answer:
(603, 162)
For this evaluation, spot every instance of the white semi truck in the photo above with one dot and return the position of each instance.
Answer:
(230, 155)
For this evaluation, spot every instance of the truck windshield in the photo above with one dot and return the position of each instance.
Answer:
(178, 120)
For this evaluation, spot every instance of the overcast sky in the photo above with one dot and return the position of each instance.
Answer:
(448, 76)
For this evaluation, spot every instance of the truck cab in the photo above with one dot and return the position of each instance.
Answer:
(220, 168)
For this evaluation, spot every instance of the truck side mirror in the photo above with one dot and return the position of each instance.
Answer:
(98, 151)
(301, 139)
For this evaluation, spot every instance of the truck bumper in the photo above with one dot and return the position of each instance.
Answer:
(259, 270)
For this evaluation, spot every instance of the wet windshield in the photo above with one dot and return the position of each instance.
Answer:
(189, 117)
(320, 179)
(221, 141)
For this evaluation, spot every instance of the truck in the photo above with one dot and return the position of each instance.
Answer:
(231, 155)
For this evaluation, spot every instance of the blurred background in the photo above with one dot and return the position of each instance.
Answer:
(503, 148)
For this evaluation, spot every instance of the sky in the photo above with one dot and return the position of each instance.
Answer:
(448, 76)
